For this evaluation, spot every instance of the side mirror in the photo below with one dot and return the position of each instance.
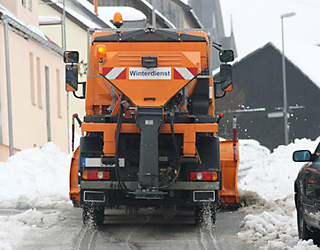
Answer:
(301, 156)
(226, 77)
(71, 56)
(226, 56)
(71, 77)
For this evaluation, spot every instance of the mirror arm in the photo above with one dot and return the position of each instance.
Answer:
(217, 46)
(83, 91)
(215, 92)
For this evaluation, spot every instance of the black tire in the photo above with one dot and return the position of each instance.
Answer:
(92, 215)
(205, 214)
(304, 232)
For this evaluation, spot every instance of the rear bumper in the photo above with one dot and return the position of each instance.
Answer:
(133, 185)
(182, 194)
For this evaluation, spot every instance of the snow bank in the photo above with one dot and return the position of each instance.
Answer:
(35, 178)
(268, 188)
(14, 228)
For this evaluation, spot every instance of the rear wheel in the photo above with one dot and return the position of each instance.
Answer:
(93, 215)
(304, 232)
(205, 214)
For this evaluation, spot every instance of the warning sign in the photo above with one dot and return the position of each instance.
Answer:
(150, 74)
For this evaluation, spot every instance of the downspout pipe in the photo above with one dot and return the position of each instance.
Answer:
(8, 76)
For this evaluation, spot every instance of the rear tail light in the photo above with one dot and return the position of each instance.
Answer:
(96, 175)
(204, 176)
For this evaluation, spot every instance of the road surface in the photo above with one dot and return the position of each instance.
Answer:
(147, 230)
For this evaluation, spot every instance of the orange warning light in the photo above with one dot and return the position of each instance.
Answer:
(117, 20)
(101, 51)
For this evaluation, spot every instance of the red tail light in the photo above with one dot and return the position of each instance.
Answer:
(96, 175)
(203, 176)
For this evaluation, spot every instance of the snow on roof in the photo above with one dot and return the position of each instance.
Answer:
(49, 20)
(304, 56)
(32, 28)
(87, 22)
(90, 8)
(128, 13)
(159, 14)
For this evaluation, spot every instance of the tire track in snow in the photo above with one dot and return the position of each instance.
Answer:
(86, 238)
(134, 231)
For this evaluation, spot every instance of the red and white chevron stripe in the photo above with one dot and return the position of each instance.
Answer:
(185, 73)
(114, 72)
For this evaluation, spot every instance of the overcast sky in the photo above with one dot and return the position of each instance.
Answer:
(256, 22)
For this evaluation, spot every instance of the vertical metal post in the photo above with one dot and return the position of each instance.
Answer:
(48, 113)
(8, 75)
(284, 81)
(153, 15)
(64, 26)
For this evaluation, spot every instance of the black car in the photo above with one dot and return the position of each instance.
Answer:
(307, 194)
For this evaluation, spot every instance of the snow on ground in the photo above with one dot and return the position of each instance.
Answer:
(33, 178)
(267, 190)
(39, 178)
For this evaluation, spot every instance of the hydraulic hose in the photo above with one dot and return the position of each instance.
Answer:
(177, 154)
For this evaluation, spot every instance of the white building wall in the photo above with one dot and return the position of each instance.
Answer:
(29, 114)
(76, 40)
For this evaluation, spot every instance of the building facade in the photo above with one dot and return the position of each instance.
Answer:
(257, 99)
(33, 103)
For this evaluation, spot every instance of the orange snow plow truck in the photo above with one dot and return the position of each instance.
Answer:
(149, 136)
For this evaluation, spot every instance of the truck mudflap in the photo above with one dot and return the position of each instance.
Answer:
(229, 158)
(74, 193)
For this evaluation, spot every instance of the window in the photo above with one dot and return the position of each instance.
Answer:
(32, 88)
(30, 5)
(39, 83)
(24, 3)
(58, 94)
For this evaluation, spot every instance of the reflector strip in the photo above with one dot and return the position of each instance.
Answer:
(185, 73)
(114, 72)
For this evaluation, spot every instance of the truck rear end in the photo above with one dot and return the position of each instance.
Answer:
(149, 137)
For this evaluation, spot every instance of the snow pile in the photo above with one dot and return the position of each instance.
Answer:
(35, 178)
(128, 13)
(268, 185)
(14, 228)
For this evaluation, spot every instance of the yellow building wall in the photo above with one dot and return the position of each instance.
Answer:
(28, 92)
(76, 39)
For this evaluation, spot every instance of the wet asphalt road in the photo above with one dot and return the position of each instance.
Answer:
(147, 230)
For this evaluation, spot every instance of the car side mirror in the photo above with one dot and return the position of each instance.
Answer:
(226, 77)
(71, 77)
(301, 156)
(226, 56)
(71, 56)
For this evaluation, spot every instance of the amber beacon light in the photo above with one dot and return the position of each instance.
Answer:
(101, 51)
(117, 20)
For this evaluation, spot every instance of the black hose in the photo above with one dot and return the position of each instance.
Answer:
(177, 154)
